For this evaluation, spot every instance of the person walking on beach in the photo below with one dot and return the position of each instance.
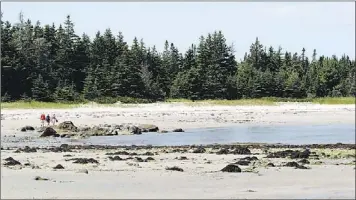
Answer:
(48, 119)
(54, 119)
(43, 118)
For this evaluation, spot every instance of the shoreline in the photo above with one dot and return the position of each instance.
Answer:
(135, 171)
(171, 116)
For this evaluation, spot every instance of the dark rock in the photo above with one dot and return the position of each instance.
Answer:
(27, 149)
(223, 151)
(115, 158)
(243, 162)
(68, 126)
(175, 168)
(27, 164)
(38, 178)
(148, 154)
(148, 128)
(182, 158)
(163, 131)
(178, 130)
(232, 168)
(125, 153)
(291, 164)
(49, 131)
(296, 165)
(84, 160)
(67, 155)
(64, 146)
(27, 128)
(241, 151)
(270, 165)
(304, 161)
(290, 153)
(253, 158)
(59, 166)
(138, 159)
(199, 150)
(11, 162)
(149, 159)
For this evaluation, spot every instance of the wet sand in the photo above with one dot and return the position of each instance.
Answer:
(202, 177)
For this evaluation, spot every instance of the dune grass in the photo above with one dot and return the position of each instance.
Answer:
(263, 101)
(335, 100)
(37, 105)
(224, 102)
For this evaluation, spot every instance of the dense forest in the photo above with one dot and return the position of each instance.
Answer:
(49, 63)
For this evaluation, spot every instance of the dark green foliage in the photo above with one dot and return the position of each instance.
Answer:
(49, 63)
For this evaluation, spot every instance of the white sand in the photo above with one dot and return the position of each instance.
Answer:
(170, 116)
(126, 179)
(129, 179)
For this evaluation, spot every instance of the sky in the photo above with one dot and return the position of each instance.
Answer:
(328, 27)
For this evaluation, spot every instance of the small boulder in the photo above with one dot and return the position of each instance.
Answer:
(241, 151)
(149, 159)
(27, 128)
(138, 159)
(232, 168)
(253, 158)
(270, 165)
(148, 128)
(11, 162)
(148, 154)
(59, 166)
(175, 168)
(49, 131)
(178, 130)
(115, 158)
(223, 151)
(304, 161)
(163, 131)
(295, 165)
(199, 150)
(38, 178)
(182, 158)
(68, 126)
(84, 160)
(243, 162)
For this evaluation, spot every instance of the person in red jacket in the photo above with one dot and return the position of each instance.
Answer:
(43, 118)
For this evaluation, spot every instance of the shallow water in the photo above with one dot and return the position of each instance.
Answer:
(317, 134)
(254, 134)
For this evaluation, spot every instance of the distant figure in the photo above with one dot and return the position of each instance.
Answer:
(54, 119)
(43, 118)
(48, 119)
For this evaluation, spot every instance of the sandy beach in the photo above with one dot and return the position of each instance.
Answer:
(176, 115)
(325, 172)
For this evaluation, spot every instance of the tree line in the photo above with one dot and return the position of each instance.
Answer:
(49, 63)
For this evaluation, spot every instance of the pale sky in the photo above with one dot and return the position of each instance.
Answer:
(328, 27)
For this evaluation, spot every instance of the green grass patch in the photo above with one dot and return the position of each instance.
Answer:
(224, 102)
(335, 100)
(37, 105)
(129, 102)
(268, 101)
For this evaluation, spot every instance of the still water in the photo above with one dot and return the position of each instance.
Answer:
(312, 134)
(321, 134)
